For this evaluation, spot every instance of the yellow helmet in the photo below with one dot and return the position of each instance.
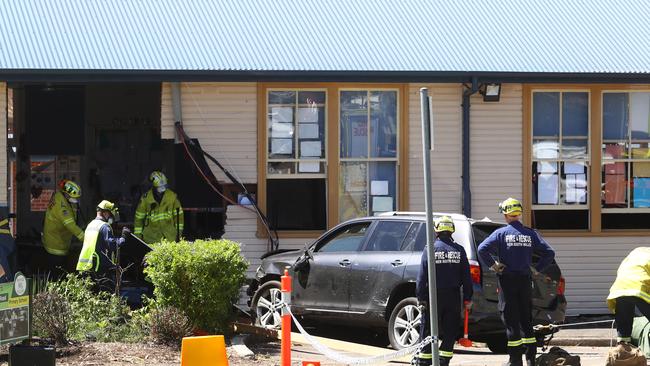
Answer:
(72, 189)
(511, 207)
(158, 179)
(444, 223)
(110, 207)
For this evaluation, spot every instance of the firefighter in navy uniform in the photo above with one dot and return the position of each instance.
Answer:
(452, 273)
(513, 246)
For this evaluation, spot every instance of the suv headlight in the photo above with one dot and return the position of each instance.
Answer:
(259, 273)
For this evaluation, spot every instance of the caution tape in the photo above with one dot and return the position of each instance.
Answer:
(347, 360)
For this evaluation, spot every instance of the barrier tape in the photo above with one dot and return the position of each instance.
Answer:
(347, 360)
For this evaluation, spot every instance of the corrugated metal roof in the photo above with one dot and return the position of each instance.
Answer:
(547, 36)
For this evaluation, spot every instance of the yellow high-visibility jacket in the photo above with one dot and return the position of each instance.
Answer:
(632, 278)
(60, 225)
(155, 221)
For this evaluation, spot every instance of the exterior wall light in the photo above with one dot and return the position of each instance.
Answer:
(491, 92)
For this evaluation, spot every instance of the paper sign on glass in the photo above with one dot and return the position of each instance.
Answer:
(382, 204)
(308, 130)
(309, 167)
(281, 146)
(576, 188)
(379, 188)
(573, 168)
(309, 115)
(546, 167)
(547, 189)
(310, 148)
(282, 114)
(281, 129)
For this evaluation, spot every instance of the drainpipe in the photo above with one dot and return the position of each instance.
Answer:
(467, 193)
(176, 107)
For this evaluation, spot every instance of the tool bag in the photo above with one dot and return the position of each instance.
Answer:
(556, 356)
(625, 355)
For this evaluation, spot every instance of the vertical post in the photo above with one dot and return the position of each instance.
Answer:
(425, 105)
(285, 349)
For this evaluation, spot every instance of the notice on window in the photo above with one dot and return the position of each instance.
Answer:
(576, 188)
(282, 114)
(382, 204)
(310, 149)
(281, 146)
(307, 115)
(279, 129)
(573, 168)
(309, 167)
(354, 176)
(308, 130)
(547, 189)
(546, 167)
(379, 188)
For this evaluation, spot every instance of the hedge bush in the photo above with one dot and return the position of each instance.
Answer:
(200, 278)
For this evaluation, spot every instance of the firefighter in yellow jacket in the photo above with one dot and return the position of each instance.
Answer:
(159, 214)
(60, 226)
(630, 290)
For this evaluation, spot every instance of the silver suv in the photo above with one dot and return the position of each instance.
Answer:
(362, 272)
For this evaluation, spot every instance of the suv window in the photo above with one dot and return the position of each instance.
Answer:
(346, 239)
(388, 236)
(409, 240)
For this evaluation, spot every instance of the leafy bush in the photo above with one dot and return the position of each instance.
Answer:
(169, 325)
(51, 316)
(201, 278)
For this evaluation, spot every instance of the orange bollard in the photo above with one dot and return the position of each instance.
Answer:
(285, 349)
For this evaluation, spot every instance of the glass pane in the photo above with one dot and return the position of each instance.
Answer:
(383, 186)
(575, 114)
(615, 118)
(311, 97)
(640, 116)
(545, 183)
(281, 168)
(640, 150)
(574, 183)
(387, 236)
(282, 97)
(574, 148)
(354, 124)
(383, 124)
(614, 185)
(546, 149)
(311, 132)
(641, 184)
(348, 239)
(353, 190)
(409, 241)
(617, 150)
(311, 167)
(546, 114)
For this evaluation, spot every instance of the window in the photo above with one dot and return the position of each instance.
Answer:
(560, 159)
(296, 159)
(388, 236)
(625, 198)
(368, 152)
(347, 239)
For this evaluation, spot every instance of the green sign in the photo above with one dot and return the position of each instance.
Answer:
(14, 310)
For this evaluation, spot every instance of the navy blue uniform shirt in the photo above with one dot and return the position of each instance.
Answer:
(514, 245)
(106, 247)
(452, 270)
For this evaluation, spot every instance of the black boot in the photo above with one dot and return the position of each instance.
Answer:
(423, 361)
(444, 361)
(514, 354)
(531, 353)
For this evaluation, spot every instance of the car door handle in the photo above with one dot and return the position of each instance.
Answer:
(344, 263)
(396, 263)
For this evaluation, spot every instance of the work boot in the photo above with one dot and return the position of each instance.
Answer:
(514, 358)
(423, 359)
(444, 361)
(531, 353)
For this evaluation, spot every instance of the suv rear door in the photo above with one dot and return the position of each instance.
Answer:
(380, 265)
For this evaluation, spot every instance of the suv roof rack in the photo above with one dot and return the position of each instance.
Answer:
(402, 213)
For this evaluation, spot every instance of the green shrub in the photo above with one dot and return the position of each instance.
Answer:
(51, 316)
(169, 325)
(201, 278)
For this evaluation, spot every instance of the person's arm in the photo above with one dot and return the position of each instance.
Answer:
(109, 239)
(69, 223)
(178, 212)
(545, 251)
(488, 248)
(423, 278)
(138, 220)
(468, 290)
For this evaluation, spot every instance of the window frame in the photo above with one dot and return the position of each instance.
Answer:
(596, 92)
(332, 150)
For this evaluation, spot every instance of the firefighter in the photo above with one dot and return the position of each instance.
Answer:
(159, 214)
(513, 245)
(98, 254)
(60, 226)
(452, 273)
(630, 290)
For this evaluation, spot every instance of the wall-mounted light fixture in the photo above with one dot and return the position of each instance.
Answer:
(491, 92)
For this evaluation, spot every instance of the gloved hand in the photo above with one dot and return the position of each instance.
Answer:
(126, 232)
(498, 267)
(468, 304)
(534, 271)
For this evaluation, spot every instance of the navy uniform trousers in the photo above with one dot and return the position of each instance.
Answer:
(448, 322)
(515, 291)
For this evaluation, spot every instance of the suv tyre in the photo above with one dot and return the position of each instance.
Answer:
(266, 305)
(404, 324)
